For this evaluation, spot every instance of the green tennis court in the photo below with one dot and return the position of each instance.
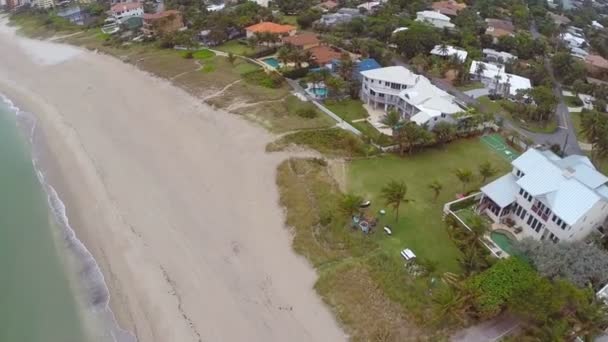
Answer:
(498, 144)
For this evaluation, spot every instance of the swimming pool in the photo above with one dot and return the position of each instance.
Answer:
(504, 240)
(273, 62)
(320, 92)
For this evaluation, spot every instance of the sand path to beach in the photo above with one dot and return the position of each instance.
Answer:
(176, 201)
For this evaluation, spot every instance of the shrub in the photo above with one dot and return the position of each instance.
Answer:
(307, 112)
(264, 79)
(295, 73)
(188, 55)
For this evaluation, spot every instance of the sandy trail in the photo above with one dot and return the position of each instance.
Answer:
(176, 201)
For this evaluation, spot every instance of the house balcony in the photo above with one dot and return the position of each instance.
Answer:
(538, 211)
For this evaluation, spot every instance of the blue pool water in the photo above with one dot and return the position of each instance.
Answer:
(322, 92)
(273, 62)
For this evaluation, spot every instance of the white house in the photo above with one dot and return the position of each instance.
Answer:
(497, 80)
(574, 41)
(449, 51)
(43, 3)
(549, 197)
(597, 25)
(124, 10)
(500, 57)
(412, 95)
(434, 18)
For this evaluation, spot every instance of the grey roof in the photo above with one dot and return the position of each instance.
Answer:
(569, 186)
(503, 190)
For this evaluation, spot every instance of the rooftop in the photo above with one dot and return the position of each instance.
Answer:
(302, 39)
(324, 54)
(448, 7)
(450, 51)
(569, 186)
(499, 27)
(559, 19)
(267, 26)
(394, 74)
(597, 61)
(433, 15)
(125, 6)
(490, 71)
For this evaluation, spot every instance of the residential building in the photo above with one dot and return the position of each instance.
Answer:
(500, 57)
(125, 10)
(216, 8)
(400, 29)
(578, 53)
(74, 14)
(499, 28)
(448, 7)
(323, 55)
(559, 20)
(597, 25)
(366, 65)
(343, 15)
(413, 96)
(327, 6)
(162, 22)
(497, 80)
(596, 65)
(369, 6)
(549, 197)
(270, 27)
(435, 19)
(304, 40)
(263, 3)
(450, 51)
(574, 40)
(43, 3)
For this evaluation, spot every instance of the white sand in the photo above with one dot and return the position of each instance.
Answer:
(176, 201)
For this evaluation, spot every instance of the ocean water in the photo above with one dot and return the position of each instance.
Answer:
(37, 295)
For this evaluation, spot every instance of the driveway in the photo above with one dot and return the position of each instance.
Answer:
(487, 331)
(477, 93)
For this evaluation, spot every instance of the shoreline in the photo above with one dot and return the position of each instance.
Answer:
(130, 311)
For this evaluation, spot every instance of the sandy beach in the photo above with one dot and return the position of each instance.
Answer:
(177, 202)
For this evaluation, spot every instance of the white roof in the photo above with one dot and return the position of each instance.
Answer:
(432, 15)
(570, 187)
(214, 8)
(572, 39)
(369, 5)
(399, 29)
(491, 71)
(450, 51)
(596, 24)
(503, 190)
(429, 100)
(394, 74)
(502, 54)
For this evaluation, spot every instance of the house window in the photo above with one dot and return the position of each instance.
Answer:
(530, 219)
(521, 191)
(523, 214)
(381, 95)
(443, 115)
(554, 218)
(372, 92)
(518, 211)
(559, 222)
(539, 227)
(564, 225)
(519, 174)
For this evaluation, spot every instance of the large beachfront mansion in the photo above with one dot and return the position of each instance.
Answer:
(549, 197)
(412, 95)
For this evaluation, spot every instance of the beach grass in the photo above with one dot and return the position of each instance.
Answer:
(333, 142)
(356, 274)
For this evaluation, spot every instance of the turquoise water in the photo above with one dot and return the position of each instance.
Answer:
(273, 62)
(503, 241)
(37, 302)
(321, 92)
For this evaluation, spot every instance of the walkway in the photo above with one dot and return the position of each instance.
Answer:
(488, 331)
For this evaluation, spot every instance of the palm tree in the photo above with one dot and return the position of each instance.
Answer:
(285, 55)
(479, 70)
(347, 67)
(436, 186)
(391, 119)
(444, 50)
(452, 304)
(350, 204)
(394, 194)
(486, 170)
(465, 176)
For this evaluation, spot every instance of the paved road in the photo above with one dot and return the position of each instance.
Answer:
(488, 331)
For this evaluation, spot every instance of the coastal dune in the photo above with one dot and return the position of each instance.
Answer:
(176, 201)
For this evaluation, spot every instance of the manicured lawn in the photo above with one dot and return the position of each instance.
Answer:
(203, 54)
(290, 20)
(496, 108)
(470, 86)
(490, 106)
(236, 47)
(573, 101)
(347, 109)
(420, 226)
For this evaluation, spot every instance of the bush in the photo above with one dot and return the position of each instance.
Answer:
(188, 55)
(308, 112)
(262, 53)
(264, 79)
(295, 73)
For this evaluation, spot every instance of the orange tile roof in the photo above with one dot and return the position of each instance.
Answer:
(125, 6)
(448, 7)
(329, 4)
(597, 61)
(302, 39)
(324, 54)
(271, 27)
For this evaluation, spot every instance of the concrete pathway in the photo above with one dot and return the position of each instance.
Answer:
(489, 331)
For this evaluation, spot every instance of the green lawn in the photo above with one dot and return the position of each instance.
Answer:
(347, 109)
(576, 121)
(290, 20)
(420, 226)
(203, 54)
(470, 86)
(237, 47)
(496, 108)
(573, 101)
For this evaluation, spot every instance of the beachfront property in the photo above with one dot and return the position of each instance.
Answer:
(413, 96)
(499, 57)
(548, 197)
(270, 27)
(448, 7)
(450, 51)
(498, 80)
(435, 19)
(162, 23)
(124, 10)
(43, 3)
